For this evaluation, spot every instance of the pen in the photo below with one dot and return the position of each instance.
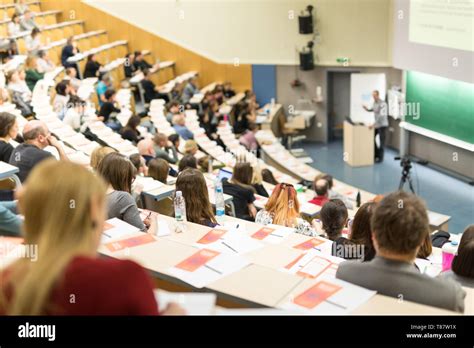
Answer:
(213, 269)
(227, 245)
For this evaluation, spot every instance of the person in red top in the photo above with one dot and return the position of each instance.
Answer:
(64, 208)
(321, 186)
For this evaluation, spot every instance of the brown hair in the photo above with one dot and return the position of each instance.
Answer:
(463, 262)
(158, 169)
(400, 223)
(188, 161)
(334, 217)
(98, 155)
(118, 171)
(7, 121)
(242, 175)
(426, 248)
(192, 184)
(267, 176)
(360, 230)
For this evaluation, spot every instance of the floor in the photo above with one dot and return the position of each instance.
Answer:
(442, 193)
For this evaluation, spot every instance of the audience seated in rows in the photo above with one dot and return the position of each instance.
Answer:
(69, 262)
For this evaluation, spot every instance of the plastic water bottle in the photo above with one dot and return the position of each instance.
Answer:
(448, 251)
(179, 207)
(220, 204)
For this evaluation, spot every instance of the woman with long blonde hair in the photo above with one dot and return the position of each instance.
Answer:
(64, 208)
(283, 208)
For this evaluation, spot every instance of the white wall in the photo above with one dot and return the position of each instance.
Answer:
(261, 31)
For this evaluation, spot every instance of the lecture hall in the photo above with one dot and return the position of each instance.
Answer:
(237, 158)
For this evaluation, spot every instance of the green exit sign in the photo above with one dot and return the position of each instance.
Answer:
(342, 60)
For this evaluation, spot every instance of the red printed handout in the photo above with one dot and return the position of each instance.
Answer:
(108, 226)
(197, 260)
(212, 236)
(309, 244)
(316, 294)
(130, 242)
(263, 233)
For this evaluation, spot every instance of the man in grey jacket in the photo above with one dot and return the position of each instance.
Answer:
(379, 108)
(399, 226)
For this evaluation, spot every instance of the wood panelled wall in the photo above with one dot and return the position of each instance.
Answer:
(138, 39)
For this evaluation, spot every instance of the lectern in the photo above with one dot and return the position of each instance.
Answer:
(358, 145)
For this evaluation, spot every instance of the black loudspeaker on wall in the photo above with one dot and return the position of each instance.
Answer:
(306, 60)
(305, 24)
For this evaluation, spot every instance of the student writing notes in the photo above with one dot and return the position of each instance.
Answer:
(64, 208)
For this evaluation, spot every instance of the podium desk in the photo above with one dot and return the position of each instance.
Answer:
(358, 145)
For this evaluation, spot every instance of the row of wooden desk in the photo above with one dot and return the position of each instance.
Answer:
(260, 284)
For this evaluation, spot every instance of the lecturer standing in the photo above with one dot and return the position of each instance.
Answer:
(381, 123)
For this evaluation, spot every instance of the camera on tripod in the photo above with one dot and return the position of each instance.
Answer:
(405, 163)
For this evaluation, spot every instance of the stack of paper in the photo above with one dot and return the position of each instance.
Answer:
(206, 266)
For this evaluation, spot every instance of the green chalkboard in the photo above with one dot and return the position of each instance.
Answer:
(445, 106)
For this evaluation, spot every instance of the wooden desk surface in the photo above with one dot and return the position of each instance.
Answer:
(260, 284)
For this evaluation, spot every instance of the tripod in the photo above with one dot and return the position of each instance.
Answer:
(406, 177)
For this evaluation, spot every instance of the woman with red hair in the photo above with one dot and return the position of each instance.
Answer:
(283, 208)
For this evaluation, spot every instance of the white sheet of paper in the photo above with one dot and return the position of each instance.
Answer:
(163, 228)
(121, 228)
(192, 303)
(313, 262)
(220, 266)
(233, 242)
(279, 235)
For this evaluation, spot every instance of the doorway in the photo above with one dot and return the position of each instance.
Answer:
(339, 102)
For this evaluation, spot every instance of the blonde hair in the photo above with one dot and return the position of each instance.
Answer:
(283, 205)
(98, 155)
(57, 205)
(257, 175)
(189, 146)
(30, 62)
